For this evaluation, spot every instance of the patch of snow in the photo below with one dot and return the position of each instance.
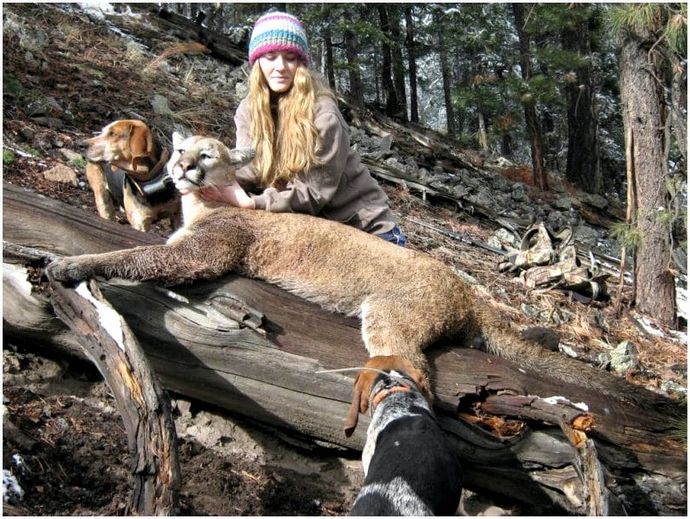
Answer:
(682, 302)
(570, 352)
(555, 400)
(18, 461)
(97, 10)
(10, 487)
(108, 318)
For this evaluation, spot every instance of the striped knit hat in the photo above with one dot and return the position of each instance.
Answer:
(275, 32)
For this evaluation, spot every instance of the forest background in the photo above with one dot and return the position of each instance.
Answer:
(593, 92)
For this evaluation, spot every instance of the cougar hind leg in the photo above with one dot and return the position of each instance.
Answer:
(388, 330)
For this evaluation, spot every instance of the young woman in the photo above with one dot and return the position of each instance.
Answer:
(303, 160)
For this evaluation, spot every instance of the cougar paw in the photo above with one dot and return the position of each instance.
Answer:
(68, 270)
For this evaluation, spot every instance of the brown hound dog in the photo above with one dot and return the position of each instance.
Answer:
(126, 169)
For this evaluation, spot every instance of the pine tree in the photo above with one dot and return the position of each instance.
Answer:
(652, 40)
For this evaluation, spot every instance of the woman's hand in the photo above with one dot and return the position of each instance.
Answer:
(231, 194)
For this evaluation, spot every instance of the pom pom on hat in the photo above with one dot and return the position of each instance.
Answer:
(276, 32)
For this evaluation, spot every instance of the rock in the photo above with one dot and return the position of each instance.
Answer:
(519, 193)
(568, 350)
(386, 143)
(623, 357)
(460, 191)
(502, 184)
(503, 237)
(27, 134)
(594, 200)
(160, 105)
(673, 387)
(49, 122)
(562, 203)
(44, 106)
(62, 173)
(586, 234)
(529, 310)
(71, 156)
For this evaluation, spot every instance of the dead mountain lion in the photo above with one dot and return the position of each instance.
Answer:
(406, 300)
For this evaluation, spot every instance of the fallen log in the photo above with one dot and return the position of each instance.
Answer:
(144, 406)
(260, 359)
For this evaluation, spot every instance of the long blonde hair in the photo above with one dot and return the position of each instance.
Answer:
(290, 143)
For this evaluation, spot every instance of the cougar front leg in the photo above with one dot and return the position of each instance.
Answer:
(169, 264)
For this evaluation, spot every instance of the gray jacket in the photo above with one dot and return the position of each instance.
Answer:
(340, 189)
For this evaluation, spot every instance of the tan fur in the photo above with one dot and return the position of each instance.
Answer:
(125, 144)
(406, 300)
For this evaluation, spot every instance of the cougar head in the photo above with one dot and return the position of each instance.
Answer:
(199, 161)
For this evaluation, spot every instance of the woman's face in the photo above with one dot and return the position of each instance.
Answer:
(279, 69)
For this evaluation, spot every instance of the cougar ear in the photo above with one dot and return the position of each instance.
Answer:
(241, 156)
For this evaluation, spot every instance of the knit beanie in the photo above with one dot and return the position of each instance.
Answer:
(276, 32)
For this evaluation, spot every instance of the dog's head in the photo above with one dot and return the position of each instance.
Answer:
(127, 144)
(366, 379)
(198, 162)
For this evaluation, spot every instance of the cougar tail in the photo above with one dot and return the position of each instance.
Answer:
(503, 341)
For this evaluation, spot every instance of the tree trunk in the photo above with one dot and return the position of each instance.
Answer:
(390, 94)
(411, 63)
(481, 133)
(582, 167)
(328, 58)
(252, 348)
(351, 53)
(447, 79)
(397, 62)
(529, 103)
(644, 116)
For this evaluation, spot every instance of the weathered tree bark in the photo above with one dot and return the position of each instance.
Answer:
(644, 118)
(254, 349)
(143, 404)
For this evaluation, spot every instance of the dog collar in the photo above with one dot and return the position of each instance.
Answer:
(385, 393)
(388, 385)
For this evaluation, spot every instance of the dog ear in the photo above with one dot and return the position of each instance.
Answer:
(360, 398)
(353, 413)
(241, 156)
(141, 142)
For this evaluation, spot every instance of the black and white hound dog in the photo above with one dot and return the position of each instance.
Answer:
(409, 466)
